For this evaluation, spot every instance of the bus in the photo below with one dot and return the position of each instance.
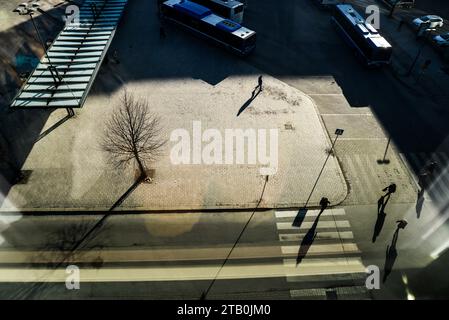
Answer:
(364, 39)
(229, 9)
(202, 22)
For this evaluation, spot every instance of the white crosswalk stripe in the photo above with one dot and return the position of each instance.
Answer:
(319, 253)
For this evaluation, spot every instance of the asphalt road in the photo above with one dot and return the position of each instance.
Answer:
(297, 44)
(181, 255)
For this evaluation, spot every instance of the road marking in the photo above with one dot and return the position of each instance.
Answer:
(328, 259)
(316, 249)
(310, 213)
(355, 261)
(355, 180)
(321, 293)
(307, 225)
(141, 255)
(344, 235)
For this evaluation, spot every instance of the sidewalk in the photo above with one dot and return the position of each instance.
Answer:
(69, 172)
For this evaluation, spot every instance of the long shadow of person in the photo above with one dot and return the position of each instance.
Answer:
(419, 203)
(383, 200)
(379, 224)
(308, 239)
(392, 253)
(254, 95)
(257, 90)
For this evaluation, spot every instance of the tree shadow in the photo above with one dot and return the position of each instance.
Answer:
(70, 240)
(391, 255)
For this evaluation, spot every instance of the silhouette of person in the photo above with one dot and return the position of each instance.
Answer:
(419, 202)
(380, 204)
(379, 225)
(260, 83)
(324, 203)
(425, 174)
(430, 168)
(390, 189)
(391, 250)
(391, 255)
(253, 94)
(383, 200)
(307, 241)
(402, 223)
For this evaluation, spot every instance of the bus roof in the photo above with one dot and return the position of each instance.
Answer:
(198, 12)
(193, 9)
(229, 3)
(350, 13)
(362, 26)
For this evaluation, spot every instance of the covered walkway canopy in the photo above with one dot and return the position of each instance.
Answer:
(65, 74)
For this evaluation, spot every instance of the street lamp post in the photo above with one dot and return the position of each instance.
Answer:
(384, 160)
(338, 132)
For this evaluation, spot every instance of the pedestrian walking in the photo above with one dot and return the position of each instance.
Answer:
(260, 83)
(430, 168)
(390, 189)
(402, 223)
(425, 174)
(324, 203)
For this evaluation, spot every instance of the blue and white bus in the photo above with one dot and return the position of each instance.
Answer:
(201, 21)
(229, 9)
(365, 40)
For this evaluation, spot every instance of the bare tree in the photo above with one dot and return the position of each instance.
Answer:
(133, 134)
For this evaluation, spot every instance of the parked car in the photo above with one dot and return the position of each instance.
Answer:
(442, 40)
(430, 22)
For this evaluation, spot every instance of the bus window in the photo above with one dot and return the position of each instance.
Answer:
(238, 9)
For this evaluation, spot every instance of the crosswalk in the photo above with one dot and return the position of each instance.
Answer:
(330, 266)
(320, 257)
(367, 178)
